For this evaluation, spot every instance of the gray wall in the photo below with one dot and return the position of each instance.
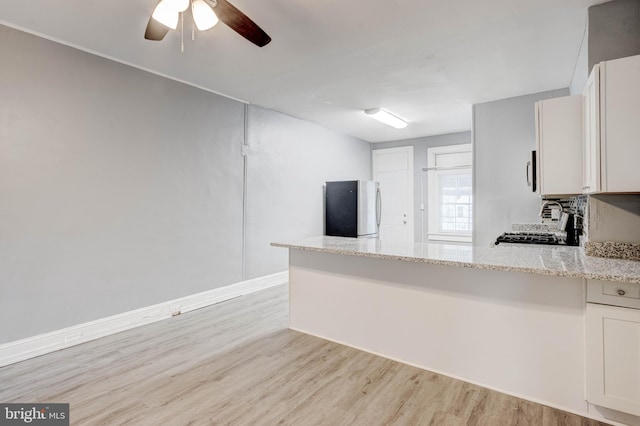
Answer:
(289, 161)
(120, 189)
(503, 138)
(614, 30)
(614, 217)
(420, 146)
(581, 70)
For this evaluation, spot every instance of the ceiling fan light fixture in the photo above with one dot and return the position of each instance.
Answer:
(386, 117)
(177, 5)
(166, 15)
(203, 15)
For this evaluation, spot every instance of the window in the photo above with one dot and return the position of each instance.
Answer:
(450, 196)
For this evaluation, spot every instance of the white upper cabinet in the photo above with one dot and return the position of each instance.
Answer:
(591, 142)
(611, 108)
(559, 145)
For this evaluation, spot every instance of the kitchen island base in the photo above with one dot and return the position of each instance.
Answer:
(518, 333)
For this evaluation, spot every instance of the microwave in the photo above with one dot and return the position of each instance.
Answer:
(532, 171)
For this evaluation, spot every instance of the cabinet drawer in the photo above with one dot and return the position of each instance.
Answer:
(614, 293)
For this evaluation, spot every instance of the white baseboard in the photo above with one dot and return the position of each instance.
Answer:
(31, 347)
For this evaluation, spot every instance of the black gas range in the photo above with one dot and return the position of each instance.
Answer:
(530, 238)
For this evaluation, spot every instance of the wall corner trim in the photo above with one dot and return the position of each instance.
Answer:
(31, 347)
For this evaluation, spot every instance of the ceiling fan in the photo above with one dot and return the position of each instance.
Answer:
(205, 15)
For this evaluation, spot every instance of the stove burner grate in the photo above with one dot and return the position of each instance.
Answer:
(528, 238)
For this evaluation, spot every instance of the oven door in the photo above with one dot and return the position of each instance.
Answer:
(532, 172)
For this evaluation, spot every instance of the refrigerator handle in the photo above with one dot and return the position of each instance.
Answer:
(378, 207)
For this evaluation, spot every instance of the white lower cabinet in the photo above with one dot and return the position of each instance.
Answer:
(613, 357)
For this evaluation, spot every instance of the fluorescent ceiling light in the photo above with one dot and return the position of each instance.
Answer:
(386, 117)
(165, 15)
(203, 15)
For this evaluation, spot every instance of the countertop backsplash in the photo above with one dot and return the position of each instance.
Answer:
(576, 205)
(579, 207)
(612, 250)
(612, 226)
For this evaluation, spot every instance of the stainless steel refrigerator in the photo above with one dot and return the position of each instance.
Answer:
(352, 208)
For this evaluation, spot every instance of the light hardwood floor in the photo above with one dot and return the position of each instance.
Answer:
(237, 363)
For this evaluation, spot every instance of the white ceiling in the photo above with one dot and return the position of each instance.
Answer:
(427, 61)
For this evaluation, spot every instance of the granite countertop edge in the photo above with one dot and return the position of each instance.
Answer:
(633, 277)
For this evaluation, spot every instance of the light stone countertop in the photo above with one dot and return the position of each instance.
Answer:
(536, 259)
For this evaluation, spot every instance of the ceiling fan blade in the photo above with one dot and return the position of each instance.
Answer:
(155, 30)
(240, 23)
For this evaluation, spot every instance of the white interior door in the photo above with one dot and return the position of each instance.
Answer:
(393, 169)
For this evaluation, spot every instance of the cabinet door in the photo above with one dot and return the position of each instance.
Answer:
(591, 133)
(613, 357)
(559, 145)
(620, 124)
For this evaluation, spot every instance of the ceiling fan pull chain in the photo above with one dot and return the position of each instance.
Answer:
(193, 24)
(182, 32)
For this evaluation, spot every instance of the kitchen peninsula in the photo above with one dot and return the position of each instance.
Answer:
(507, 318)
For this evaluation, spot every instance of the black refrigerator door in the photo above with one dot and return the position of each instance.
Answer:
(341, 209)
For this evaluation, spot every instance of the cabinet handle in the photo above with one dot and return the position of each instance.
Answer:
(621, 292)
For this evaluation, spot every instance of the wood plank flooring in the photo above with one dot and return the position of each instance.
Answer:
(236, 363)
